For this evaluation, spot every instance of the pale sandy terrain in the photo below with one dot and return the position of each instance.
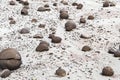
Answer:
(80, 65)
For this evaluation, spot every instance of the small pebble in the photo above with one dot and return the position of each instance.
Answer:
(60, 72)
(107, 71)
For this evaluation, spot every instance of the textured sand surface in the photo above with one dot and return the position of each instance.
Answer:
(105, 31)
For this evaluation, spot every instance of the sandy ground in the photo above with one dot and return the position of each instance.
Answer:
(67, 54)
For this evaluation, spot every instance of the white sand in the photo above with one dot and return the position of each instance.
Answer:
(80, 64)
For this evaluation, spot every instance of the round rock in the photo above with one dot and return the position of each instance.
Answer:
(107, 71)
(5, 73)
(24, 30)
(10, 59)
(56, 39)
(43, 46)
(70, 25)
(60, 72)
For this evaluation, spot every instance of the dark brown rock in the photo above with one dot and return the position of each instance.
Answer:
(25, 3)
(37, 36)
(79, 6)
(43, 46)
(5, 73)
(34, 20)
(46, 5)
(64, 15)
(41, 9)
(24, 11)
(54, 4)
(117, 53)
(74, 4)
(111, 51)
(90, 17)
(24, 30)
(107, 71)
(56, 39)
(82, 20)
(86, 48)
(12, 2)
(60, 72)
(51, 36)
(10, 59)
(41, 26)
(12, 22)
(106, 4)
(70, 25)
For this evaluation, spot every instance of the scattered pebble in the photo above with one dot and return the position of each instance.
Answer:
(86, 48)
(24, 30)
(5, 73)
(24, 11)
(60, 72)
(70, 25)
(43, 46)
(107, 71)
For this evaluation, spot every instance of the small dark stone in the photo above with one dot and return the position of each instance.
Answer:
(12, 22)
(60, 72)
(90, 17)
(106, 4)
(43, 46)
(111, 51)
(70, 25)
(41, 26)
(12, 3)
(46, 5)
(24, 30)
(24, 11)
(64, 2)
(64, 15)
(86, 48)
(25, 3)
(34, 20)
(79, 6)
(74, 4)
(51, 36)
(107, 71)
(82, 20)
(56, 39)
(5, 73)
(37, 36)
(54, 4)
(117, 53)
(41, 9)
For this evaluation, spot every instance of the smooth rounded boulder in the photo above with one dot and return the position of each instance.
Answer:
(10, 59)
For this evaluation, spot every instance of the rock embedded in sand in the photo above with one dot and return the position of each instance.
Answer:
(38, 36)
(117, 53)
(106, 4)
(24, 30)
(51, 36)
(112, 4)
(46, 5)
(5, 73)
(90, 17)
(12, 2)
(25, 3)
(41, 26)
(64, 2)
(24, 11)
(70, 25)
(85, 36)
(86, 48)
(10, 59)
(111, 51)
(79, 6)
(42, 9)
(64, 15)
(34, 20)
(107, 71)
(12, 22)
(56, 39)
(43, 46)
(60, 72)
(82, 20)
(74, 4)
